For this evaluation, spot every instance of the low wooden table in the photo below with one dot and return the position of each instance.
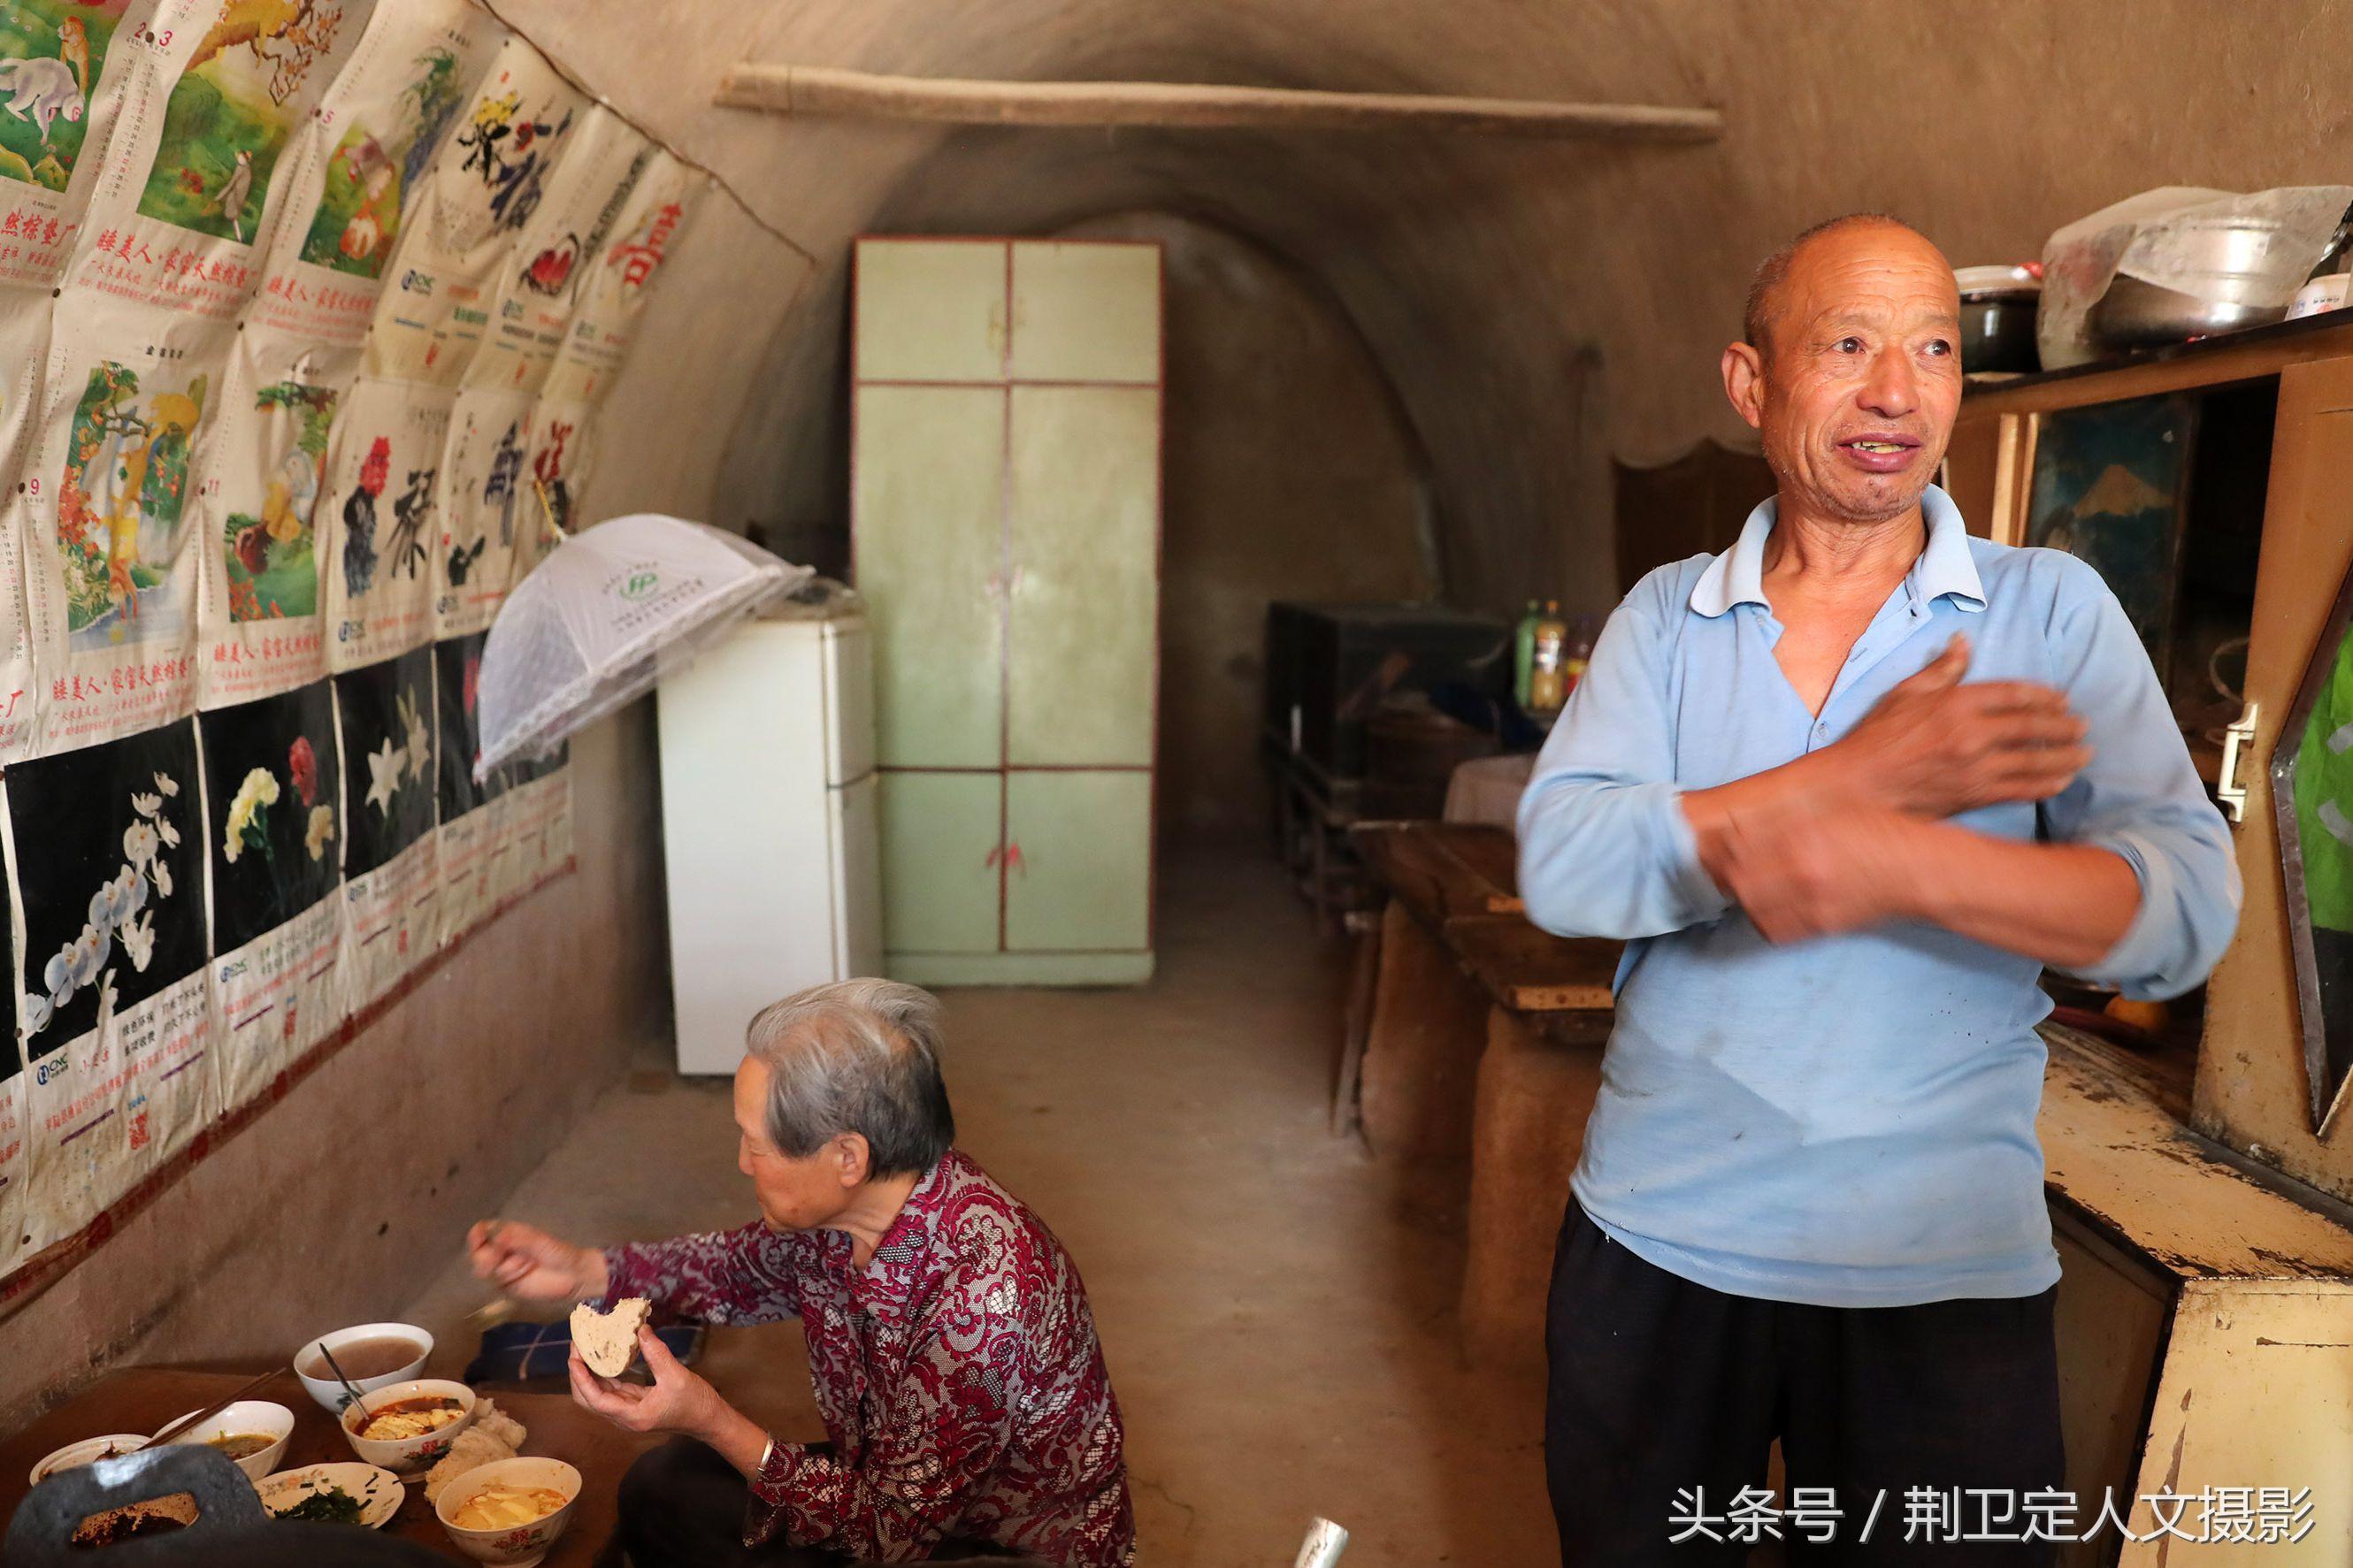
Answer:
(141, 1399)
(1473, 1046)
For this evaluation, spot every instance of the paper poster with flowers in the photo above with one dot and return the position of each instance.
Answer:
(391, 867)
(62, 66)
(24, 351)
(112, 563)
(185, 205)
(536, 292)
(273, 795)
(262, 478)
(486, 506)
(380, 520)
(16, 1122)
(105, 853)
(613, 281)
(355, 171)
(484, 183)
(472, 833)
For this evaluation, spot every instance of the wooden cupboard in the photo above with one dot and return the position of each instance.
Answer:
(2206, 1314)
(1005, 522)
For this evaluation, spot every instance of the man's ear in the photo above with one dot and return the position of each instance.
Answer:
(854, 1159)
(1744, 382)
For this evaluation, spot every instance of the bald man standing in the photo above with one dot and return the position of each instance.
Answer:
(1845, 789)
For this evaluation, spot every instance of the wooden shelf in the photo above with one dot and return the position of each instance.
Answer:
(2227, 357)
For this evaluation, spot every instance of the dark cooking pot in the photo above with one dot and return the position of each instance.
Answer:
(1998, 305)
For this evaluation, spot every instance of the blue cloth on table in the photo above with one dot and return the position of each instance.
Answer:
(517, 1353)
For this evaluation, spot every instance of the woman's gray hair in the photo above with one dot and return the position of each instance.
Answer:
(856, 1055)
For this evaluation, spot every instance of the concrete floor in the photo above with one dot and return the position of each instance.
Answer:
(1277, 1308)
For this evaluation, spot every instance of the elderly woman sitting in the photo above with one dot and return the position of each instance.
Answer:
(955, 1362)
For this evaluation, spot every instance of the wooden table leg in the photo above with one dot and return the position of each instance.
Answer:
(1364, 981)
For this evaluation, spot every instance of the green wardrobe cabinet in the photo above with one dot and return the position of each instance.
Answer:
(1005, 523)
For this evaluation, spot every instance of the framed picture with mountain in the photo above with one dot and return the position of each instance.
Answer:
(2111, 487)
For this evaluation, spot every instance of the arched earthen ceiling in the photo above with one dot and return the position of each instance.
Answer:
(1488, 276)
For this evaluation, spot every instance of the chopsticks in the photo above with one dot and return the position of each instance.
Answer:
(184, 1422)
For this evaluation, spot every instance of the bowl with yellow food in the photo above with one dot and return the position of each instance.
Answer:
(406, 1428)
(510, 1511)
(251, 1431)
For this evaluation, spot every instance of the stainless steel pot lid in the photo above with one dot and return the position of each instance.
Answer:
(1978, 281)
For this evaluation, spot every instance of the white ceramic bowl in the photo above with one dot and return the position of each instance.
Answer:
(408, 1456)
(256, 1416)
(89, 1451)
(328, 1392)
(525, 1543)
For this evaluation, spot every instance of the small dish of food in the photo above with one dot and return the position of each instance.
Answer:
(507, 1513)
(373, 1355)
(344, 1493)
(253, 1432)
(89, 1451)
(405, 1426)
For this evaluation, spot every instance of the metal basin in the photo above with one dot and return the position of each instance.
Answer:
(2133, 315)
(2237, 276)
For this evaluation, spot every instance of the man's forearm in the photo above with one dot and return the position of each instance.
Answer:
(1816, 782)
(2067, 905)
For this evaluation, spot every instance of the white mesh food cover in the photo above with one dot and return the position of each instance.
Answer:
(604, 617)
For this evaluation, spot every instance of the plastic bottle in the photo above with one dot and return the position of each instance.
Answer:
(1575, 654)
(1547, 691)
(1524, 647)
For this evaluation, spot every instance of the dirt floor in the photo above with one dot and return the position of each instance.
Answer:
(1277, 1308)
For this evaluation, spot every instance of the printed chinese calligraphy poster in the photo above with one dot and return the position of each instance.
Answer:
(531, 307)
(538, 827)
(105, 850)
(264, 476)
(376, 130)
(473, 835)
(558, 467)
(613, 290)
(379, 522)
(111, 561)
(482, 187)
(391, 869)
(62, 66)
(183, 206)
(272, 788)
(484, 508)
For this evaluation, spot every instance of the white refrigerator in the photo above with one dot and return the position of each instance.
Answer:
(768, 823)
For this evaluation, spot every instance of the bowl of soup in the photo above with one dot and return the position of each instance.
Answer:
(509, 1512)
(89, 1451)
(407, 1426)
(252, 1432)
(373, 1355)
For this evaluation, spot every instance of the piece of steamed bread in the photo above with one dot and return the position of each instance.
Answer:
(609, 1341)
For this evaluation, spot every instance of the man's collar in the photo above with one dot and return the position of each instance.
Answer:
(1945, 566)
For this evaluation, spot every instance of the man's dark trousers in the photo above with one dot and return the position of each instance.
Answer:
(1660, 1387)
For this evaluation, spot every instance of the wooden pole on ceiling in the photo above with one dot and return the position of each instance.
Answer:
(823, 91)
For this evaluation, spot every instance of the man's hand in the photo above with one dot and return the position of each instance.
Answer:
(1798, 875)
(530, 1264)
(1935, 747)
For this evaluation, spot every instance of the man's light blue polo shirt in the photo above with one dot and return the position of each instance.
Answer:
(1847, 1121)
